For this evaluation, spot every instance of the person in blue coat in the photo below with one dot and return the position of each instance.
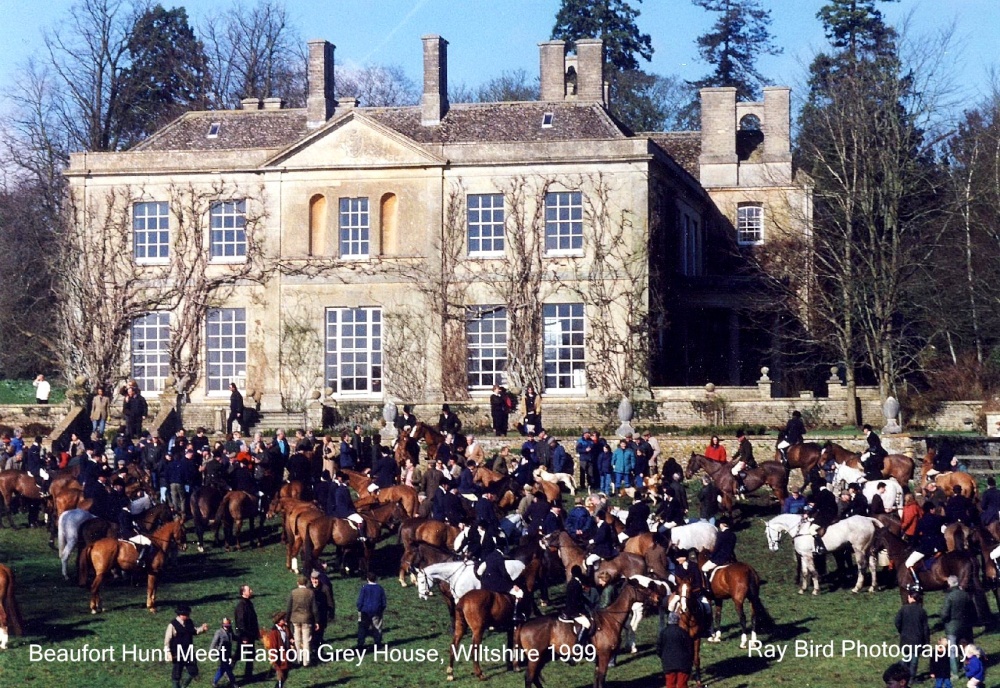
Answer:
(466, 483)
(605, 542)
(343, 505)
(605, 468)
(562, 462)
(585, 450)
(623, 462)
(579, 523)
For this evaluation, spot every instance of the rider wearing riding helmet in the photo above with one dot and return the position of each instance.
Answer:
(794, 433)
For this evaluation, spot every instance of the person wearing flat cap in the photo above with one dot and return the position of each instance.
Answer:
(178, 642)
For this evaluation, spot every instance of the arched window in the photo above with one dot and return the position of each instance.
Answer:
(749, 138)
(389, 240)
(317, 225)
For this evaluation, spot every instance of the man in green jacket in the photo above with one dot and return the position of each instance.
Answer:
(957, 615)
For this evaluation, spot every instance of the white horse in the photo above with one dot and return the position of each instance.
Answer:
(856, 531)
(459, 575)
(893, 497)
(565, 478)
(700, 536)
(638, 609)
(69, 532)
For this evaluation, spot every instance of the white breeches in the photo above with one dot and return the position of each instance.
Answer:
(582, 620)
(708, 566)
(784, 444)
(357, 520)
(739, 466)
(140, 540)
(913, 559)
(592, 560)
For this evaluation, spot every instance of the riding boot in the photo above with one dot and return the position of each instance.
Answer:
(784, 457)
(820, 548)
(916, 580)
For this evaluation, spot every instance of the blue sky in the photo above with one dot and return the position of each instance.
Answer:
(487, 37)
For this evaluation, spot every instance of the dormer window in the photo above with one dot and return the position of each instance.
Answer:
(547, 120)
(213, 130)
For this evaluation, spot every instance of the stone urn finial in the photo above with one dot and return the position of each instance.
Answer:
(625, 414)
(763, 374)
(710, 388)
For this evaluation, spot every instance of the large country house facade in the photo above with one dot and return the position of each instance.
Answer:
(425, 253)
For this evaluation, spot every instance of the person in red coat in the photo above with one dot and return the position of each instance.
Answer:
(715, 451)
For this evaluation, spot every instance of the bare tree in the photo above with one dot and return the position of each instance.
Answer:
(301, 354)
(404, 346)
(377, 86)
(253, 51)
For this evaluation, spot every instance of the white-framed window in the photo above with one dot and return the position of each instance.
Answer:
(228, 230)
(151, 351)
(151, 232)
(564, 222)
(692, 246)
(354, 228)
(486, 341)
(226, 348)
(750, 223)
(354, 351)
(564, 346)
(486, 224)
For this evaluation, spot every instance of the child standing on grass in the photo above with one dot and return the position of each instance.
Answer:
(975, 670)
(940, 664)
(371, 606)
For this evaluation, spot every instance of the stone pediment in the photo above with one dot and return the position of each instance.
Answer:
(350, 142)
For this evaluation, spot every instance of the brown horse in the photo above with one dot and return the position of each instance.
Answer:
(205, 501)
(437, 533)
(770, 473)
(101, 556)
(541, 567)
(946, 481)
(404, 494)
(686, 604)
(11, 623)
(236, 506)
(538, 635)
(570, 553)
(431, 437)
(358, 482)
(19, 484)
(898, 466)
(318, 532)
(738, 582)
(802, 456)
(552, 491)
(479, 610)
(294, 513)
(655, 554)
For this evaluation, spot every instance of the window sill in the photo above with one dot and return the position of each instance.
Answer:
(481, 255)
(227, 260)
(572, 253)
(750, 243)
(152, 261)
(354, 259)
(574, 392)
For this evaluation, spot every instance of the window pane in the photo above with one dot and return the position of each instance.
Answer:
(226, 347)
(563, 221)
(228, 235)
(354, 227)
(485, 223)
(486, 340)
(149, 224)
(150, 351)
(350, 346)
(563, 350)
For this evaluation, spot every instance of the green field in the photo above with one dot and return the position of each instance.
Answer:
(58, 617)
(22, 392)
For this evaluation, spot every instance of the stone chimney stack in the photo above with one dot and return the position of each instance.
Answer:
(435, 100)
(552, 57)
(590, 70)
(718, 160)
(777, 124)
(321, 100)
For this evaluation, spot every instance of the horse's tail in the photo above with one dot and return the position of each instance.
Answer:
(83, 565)
(763, 618)
(307, 551)
(220, 513)
(15, 624)
(62, 532)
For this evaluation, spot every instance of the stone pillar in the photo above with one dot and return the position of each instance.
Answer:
(834, 386)
(764, 383)
(320, 100)
(552, 70)
(434, 103)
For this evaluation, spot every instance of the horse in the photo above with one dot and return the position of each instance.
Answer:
(898, 466)
(684, 601)
(205, 502)
(552, 491)
(947, 481)
(69, 497)
(18, 484)
(570, 553)
(625, 565)
(544, 638)
(437, 533)
(459, 576)
(738, 582)
(316, 533)
(11, 622)
(404, 494)
(655, 554)
(357, 481)
(892, 500)
(294, 513)
(700, 536)
(480, 610)
(566, 479)
(802, 456)
(72, 531)
(99, 558)
(770, 473)
(152, 518)
(856, 531)
(235, 507)
(540, 565)
(427, 433)
(934, 571)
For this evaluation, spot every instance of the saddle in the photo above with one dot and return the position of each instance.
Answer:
(711, 574)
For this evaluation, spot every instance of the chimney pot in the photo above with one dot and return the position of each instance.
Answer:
(250, 103)
(590, 70)
(273, 103)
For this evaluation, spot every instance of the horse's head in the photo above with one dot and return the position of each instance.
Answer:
(692, 466)
(417, 430)
(423, 584)
(773, 536)
(645, 590)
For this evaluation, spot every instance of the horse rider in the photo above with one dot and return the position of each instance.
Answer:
(448, 422)
(637, 522)
(859, 504)
(929, 541)
(871, 460)
(450, 508)
(343, 505)
(486, 514)
(670, 512)
(794, 433)
(960, 509)
(478, 541)
(944, 460)
(724, 551)
(686, 572)
(576, 610)
(127, 529)
(406, 420)
(604, 544)
(213, 472)
(743, 460)
(492, 572)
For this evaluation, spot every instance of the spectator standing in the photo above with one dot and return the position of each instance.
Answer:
(222, 642)
(371, 606)
(177, 641)
(500, 411)
(42, 389)
(247, 629)
(100, 408)
(326, 606)
(585, 452)
(914, 631)
(605, 467)
(941, 665)
(302, 612)
(957, 615)
(236, 409)
(676, 650)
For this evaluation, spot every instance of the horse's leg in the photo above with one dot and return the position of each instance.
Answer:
(151, 593)
(601, 670)
(95, 591)
(738, 601)
(237, 527)
(199, 530)
(716, 636)
(477, 641)
(456, 640)
(859, 558)
(697, 660)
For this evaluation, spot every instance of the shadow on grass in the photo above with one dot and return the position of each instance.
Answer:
(57, 633)
(789, 630)
(734, 666)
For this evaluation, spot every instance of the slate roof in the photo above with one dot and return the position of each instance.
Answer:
(683, 146)
(463, 123)
(502, 123)
(238, 130)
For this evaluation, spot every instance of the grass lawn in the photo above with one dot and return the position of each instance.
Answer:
(22, 392)
(57, 616)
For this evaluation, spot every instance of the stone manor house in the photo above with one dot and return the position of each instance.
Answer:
(547, 212)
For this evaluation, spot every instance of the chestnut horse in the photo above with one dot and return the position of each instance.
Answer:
(101, 556)
(404, 494)
(294, 513)
(422, 431)
(17, 484)
(686, 604)
(437, 533)
(625, 565)
(318, 532)
(570, 553)
(946, 481)
(802, 456)
(10, 614)
(655, 554)
(897, 466)
(479, 610)
(770, 473)
(205, 502)
(236, 506)
(544, 632)
(740, 583)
